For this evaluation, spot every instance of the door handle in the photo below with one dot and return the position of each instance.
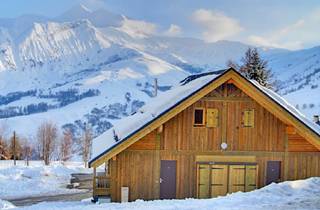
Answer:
(161, 180)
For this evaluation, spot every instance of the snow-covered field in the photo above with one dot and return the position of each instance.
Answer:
(301, 194)
(23, 181)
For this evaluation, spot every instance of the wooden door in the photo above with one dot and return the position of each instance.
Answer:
(219, 180)
(168, 179)
(203, 180)
(236, 178)
(273, 172)
(251, 177)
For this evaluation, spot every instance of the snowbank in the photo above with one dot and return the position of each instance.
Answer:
(21, 181)
(6, 205)
(301, 194)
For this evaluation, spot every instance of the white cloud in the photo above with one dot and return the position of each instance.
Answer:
(216, 25)
(138, 28)
(293, 36)
(173, 30)
(270, 42)
(93, 4)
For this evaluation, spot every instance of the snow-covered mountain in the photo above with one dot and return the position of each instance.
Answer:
(299, 72)
(94, 67)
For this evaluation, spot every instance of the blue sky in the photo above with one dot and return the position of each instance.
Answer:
(292, 24)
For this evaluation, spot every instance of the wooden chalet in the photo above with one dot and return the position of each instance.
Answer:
(217, 133)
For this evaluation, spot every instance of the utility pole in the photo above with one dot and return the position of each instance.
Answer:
(14, 148)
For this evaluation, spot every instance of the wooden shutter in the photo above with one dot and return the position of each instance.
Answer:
(212, 117)
(248, 118)
(219, 180)
(251, 177)
(236, 178)
(203, 180)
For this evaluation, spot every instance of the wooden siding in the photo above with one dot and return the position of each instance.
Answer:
(302, 165)
(268, 134)
(137, 170)
(297, 143)
(146, 143)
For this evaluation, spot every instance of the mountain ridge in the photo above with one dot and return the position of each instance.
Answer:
(83, 70)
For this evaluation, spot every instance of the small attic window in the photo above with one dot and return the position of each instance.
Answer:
(198, 116)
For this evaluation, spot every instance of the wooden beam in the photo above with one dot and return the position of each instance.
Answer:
(291, 130)
(230, 81)
(286, 158)
(226, 99)
(217, 152)
(160, 129)
(94, 184)
(225, 158)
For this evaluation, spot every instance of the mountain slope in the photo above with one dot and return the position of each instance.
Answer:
(84, 68)
(71, 73)
(99, 18)
(299, 72)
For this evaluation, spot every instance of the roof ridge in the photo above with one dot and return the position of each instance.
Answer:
(196, 76)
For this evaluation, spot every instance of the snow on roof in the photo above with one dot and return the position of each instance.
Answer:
(126, 127)
(146, 114)
(286, 105)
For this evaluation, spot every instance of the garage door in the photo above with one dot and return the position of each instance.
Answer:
(219, 179)
(236, 178)
(203, 180)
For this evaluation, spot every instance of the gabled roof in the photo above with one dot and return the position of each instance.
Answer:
(162, 108)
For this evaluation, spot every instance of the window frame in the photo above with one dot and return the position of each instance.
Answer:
(203, 117)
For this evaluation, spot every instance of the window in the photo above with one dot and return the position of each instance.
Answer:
(198, 116)
(212, 118)
(248, 118)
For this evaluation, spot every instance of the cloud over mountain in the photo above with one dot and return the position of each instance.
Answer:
(216, 25)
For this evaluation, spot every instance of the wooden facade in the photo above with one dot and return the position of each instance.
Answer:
(232, 150)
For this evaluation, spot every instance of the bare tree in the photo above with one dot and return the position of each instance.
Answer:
(26, 151)
(4, 149)
(47, 137)
(66, 145)
(86, 145)
(15, 148)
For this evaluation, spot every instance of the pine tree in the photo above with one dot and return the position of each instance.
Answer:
(254, 68)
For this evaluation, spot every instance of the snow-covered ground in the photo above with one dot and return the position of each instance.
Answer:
(23, 181)
(301, 194)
